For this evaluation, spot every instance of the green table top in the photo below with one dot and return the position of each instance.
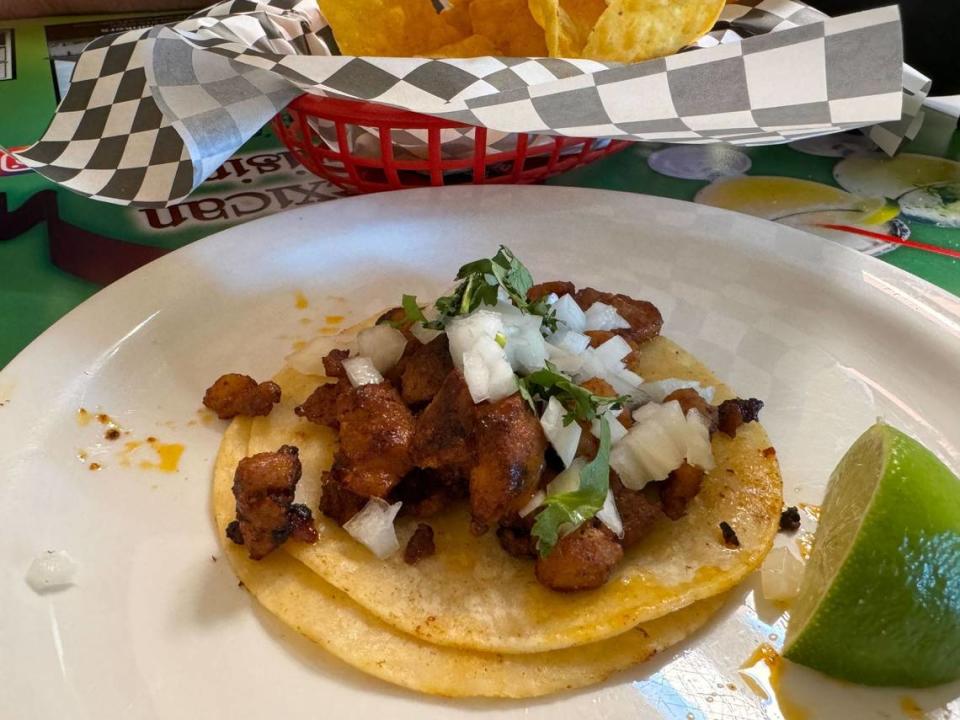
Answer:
(36, 290)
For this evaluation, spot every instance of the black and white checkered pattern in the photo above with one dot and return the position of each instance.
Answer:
(152, 113)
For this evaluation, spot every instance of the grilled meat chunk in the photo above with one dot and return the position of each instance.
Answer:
(376, 430)
(235, 394)
(425, 371)
(639, 510)
(516, 540)
(336, 501)
(425, 492)
(644, 318)
(264, 487)
(420, 545)
(581, 560)
(680, 487)
(321, 406)
(559, 287)
(443, 436)
(736, 412)
(333, 363)
(510, 450)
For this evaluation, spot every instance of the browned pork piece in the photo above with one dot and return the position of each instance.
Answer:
(425, 492)
(558, 287)
(639, 510)
(336, 501)
(425, 370)
(376, 429)
(264, 487)
(680, 487)
(581, 560)
(644, 318)
(736, 412)
(443, 436)
(510, 458)
(321, 406)
(235, 394)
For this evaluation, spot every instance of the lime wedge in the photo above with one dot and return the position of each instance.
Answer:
(880, 599)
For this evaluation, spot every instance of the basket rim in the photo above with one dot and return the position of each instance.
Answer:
(364, 112)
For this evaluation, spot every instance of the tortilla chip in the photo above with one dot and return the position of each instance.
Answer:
(509, 25)
(388, 28)
(473, 595)
(637, 30)
(458, 15)
(473, 46)
(302, 600)
(566, 23)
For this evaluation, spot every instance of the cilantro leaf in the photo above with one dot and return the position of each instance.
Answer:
(576, 507)
(580, 403)
(412, 309)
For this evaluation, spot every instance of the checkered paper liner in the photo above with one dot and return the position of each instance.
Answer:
(151, 113)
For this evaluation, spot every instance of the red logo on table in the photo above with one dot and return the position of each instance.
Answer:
(9, 165)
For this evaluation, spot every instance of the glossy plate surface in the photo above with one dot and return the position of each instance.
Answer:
(155, 628)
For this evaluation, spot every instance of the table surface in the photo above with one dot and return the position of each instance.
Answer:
(36, 290)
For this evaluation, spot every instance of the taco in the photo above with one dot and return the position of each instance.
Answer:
(302, 600)
(513, 468)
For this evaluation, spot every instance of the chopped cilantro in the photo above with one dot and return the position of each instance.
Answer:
(577, 506)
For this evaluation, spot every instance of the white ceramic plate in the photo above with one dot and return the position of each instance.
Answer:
(154, 628)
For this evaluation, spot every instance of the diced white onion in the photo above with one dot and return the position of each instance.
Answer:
(570, 314)
(309, 360)
(564, 438)
(661, 439)
(781, 574)
(568, 480)
(601, 316)
(617, 430)
(464, 332)
(564, 361)
(487, 372)
(373, 526)
(525, 347)
(383, 345)
(362, 371)
(612, 352)
(421, 333)
(659, 389)
(570, 341)
(535, 502)
(53, 570)
(609, 515)
(699, 451)
(551, 298)
(606, 362)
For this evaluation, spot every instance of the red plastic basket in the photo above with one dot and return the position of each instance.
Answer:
(378, 167)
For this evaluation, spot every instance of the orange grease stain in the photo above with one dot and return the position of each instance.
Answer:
(333, 319)
(83, 417)
(763, 674)
(299, 344)
(301, 301)
(306, 321)
(910, 708)
(812, 510)
(168, 455)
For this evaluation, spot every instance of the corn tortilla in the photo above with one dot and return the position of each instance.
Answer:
(302, 600)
